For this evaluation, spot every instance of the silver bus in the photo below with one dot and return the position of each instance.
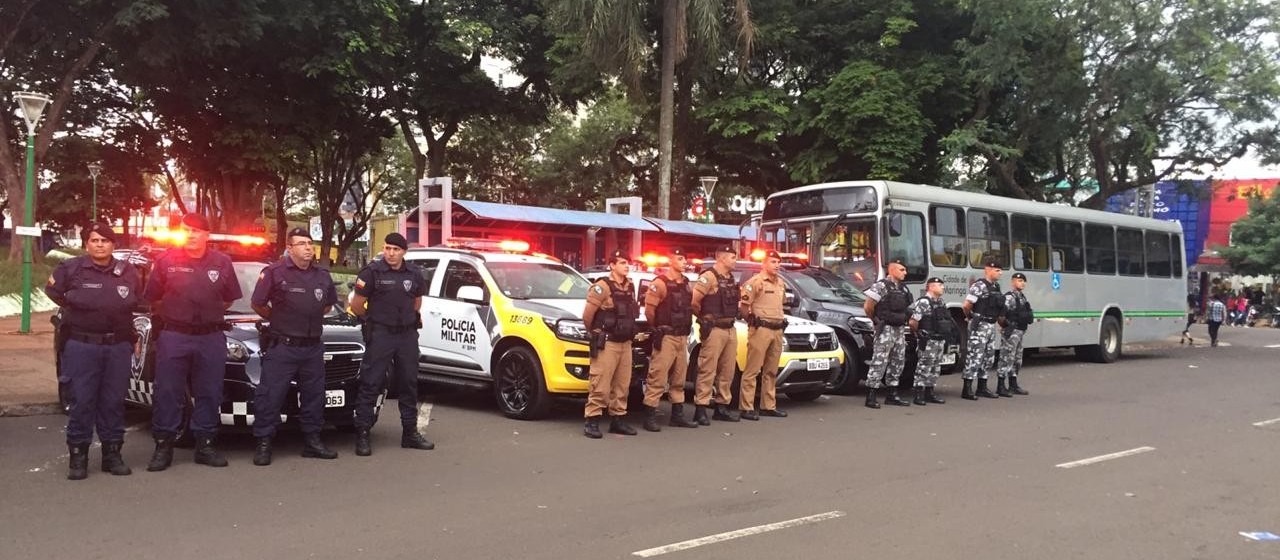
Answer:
(1095, 279)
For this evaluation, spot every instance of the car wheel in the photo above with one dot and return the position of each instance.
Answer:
(846, 381)
(805, 396)
(518, 385)
(1110, 343)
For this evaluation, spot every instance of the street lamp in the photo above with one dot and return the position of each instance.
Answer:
(31, 107)
(708, 185)
(94, 169)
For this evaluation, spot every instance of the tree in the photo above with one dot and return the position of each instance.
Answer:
(1255, 247)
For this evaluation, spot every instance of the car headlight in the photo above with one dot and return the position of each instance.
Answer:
(237, 352)
(861, 323)
(569, 329)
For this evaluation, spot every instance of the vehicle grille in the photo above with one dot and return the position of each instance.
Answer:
(800, 342)
(342, 360)
(805, 376)
(350, 347)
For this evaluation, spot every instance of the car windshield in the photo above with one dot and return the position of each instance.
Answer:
(247, 277)
(530, 280)
(824, 285)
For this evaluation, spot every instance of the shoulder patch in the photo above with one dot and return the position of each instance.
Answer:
(750, 288)
(597, 289)
(702, 279)
(359, 282)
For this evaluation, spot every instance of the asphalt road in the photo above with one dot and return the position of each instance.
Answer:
(960, 480)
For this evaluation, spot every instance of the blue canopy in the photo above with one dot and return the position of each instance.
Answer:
(556, 216)
(698, 229)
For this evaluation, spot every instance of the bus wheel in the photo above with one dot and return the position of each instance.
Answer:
(1110, 342)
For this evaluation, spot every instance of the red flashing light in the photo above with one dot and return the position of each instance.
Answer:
(490, 245)
(653, 260)
(758, 255)
(514, 246)
(801, 256)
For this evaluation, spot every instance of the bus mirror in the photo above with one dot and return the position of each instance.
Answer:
(895, 225)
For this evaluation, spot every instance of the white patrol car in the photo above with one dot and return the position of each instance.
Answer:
(811, 355)
(511, 321)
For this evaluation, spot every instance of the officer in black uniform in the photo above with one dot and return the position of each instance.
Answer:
(190, 289)
(393, 290)
(294, 294)
(97, 294)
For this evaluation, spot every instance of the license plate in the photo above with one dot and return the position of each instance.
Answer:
(948, 359)
(335, 398)
(815, 364)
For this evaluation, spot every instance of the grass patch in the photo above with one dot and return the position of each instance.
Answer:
(11, 276)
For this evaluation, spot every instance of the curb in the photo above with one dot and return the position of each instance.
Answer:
(29, 409)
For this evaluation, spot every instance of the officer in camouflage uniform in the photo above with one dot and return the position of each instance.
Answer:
(1018, 316)
(931, 322)
(984, 306)
(887, 303)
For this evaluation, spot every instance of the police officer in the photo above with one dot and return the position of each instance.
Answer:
(887, 303)
(668, 305)
(190, 289)
(931, 322)
(388, 296)
(984, 306)
(610, 314)
(715, 302)
(1018, 316)
(294, 294)
(97, 294)
(762, 299)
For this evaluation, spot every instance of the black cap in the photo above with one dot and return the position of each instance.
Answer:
(299, 232)
(614, 256)
(895, 261)
(394, 238)
(196, 221)
(677, 252)
(726, 249)
(992, 262)
(1019, 276)
(934, 280)
(101, 229)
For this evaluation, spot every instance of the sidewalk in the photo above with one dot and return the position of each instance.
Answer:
(27, 382)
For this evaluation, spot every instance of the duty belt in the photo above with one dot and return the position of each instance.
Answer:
(395, 330)
(99, 338)
(297, 340)
(772, 325)
(985, 318)
(723, 322)
(193, 329)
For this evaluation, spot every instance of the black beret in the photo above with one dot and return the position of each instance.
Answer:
(394, 238)
(726, 249)
(677, 252)
(991, 262)
(101, 229)
(614, 256)
(299, 232)
(897, 261)
(196, 221)
(934, 280)
(1019, 276)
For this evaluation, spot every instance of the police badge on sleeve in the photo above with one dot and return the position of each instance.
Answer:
(407, 284)
(123, 291)
(213, 276)
(319, 294)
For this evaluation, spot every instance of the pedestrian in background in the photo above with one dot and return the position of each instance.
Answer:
(190, 289)
(610, 314)
(1214, 317)
(762, 299)
(97, 294)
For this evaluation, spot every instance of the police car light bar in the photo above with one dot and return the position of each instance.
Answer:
(651, 260)
(179, 237)
(490, 245)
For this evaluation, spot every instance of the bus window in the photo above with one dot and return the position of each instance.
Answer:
(1030, 243)
(849, 249)
(946, 236)
(1067, 240)
(988, 237)
(1158, 254)
(1175, 248)
(1129, 252)
(906, 242)
(1100, 249)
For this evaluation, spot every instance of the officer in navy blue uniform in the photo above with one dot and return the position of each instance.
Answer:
(190, 289)
(97, 294)
(393, 290)
(294, 294)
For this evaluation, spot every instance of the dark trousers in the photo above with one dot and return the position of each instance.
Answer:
(1213, 330)
(183, 360)
(384, 349)
(98, 375)
(280, 365)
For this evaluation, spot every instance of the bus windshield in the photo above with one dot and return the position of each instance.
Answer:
(823, 285)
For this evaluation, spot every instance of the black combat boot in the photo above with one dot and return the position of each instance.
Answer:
(677, 417)
(775, 413)
(112, 462)
(411, 439)
(918, 396)
(313, 448)
(723, 413)
(618, 426)
(749, 415)
(967, 392)
(364, 447)
(1001, 390)
(163, 455)
(1014, 388)
(206, 454)
(871, 398)
(932, 398)
(591, 428)
(651, 419)
(700, 415)
(983, 391)
(78, 467)
(262, 452)
(893, 398)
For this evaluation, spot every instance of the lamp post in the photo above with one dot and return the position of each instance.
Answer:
(31, 107)
(94, 169)
(708, 185)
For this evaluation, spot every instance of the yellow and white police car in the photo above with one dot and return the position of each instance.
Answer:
(497, 316)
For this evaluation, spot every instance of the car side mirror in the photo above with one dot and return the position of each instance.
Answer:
(789, 300)
(471, 294)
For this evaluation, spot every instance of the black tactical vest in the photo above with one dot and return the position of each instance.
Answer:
(675, 310)
(991, 305)
(937, 321)
(892, 308)
(619, 322)
(724, 303)
(1020, 315)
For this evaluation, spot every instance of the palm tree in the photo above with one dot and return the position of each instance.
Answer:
(614, 36)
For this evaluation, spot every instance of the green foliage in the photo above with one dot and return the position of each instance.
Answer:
(1255, 247)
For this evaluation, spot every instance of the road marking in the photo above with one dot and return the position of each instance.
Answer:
(721, 537)
(424, 415)
(1272, 346)
(1267, 422)
(1107, 457)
